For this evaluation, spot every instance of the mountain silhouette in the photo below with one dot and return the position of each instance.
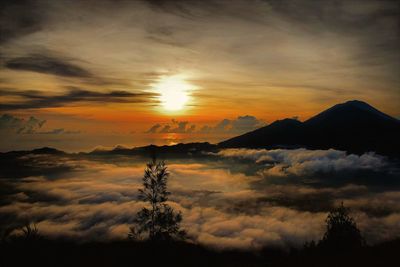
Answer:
(164, 151)
(353, 126)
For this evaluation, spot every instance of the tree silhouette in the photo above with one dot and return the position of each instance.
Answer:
(159, 221)
(30, 232)
(341, 231)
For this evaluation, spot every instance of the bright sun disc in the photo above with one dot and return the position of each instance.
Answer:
(174, 92)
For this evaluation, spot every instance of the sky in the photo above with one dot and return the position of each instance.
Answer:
(82, 74)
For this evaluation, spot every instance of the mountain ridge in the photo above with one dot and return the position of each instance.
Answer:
(353, 126)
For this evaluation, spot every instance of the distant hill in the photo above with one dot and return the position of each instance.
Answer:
(178, 150)
(36, 151)
(354, 126)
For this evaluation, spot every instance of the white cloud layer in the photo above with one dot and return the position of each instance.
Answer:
(301, 161)
(221, 207)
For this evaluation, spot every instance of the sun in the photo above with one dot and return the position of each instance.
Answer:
(174, 92)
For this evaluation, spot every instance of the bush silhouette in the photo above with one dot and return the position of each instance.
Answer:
(341, 231)
(159, 221)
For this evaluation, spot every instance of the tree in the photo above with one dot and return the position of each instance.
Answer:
(30, 232)
(159, 220)
(341, 231)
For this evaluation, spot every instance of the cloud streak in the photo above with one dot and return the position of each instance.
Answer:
(37, 99)
(47, 65)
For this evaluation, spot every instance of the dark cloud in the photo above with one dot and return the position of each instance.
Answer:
(19, 18)
(239, 125)
(165, 129)
(173, 127)
(53, 63)
(347, 16)
(10, 124)
(181, 127)
(181, 8)
(48, 65)
(18, 125)
(59, 131)
(245, 123)
(154, 128)
(374, 23)
(37, 99)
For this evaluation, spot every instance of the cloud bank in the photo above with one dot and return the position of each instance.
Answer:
(239, 125)
(301, 161)
(224, 205)
(20, 125)
(11, 125)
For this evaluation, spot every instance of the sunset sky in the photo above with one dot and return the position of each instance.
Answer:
(93, 76)
(76, 75)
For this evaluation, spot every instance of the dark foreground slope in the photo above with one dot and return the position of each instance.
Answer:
(353, 126)
(124, 253)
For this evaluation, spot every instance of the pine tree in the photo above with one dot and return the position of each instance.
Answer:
(158, 220)
(341, 231)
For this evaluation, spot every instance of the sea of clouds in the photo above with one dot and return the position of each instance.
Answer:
(239, 198)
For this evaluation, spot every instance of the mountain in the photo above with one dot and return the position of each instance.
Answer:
(178, 150)
(37, 151)
(285, 132)
(353, 126)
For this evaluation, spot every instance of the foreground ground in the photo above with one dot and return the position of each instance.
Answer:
(124, 253)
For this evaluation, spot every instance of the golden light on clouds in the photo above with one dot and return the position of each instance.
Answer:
(174, 91)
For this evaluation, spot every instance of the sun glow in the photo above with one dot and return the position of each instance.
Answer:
(174, 92)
